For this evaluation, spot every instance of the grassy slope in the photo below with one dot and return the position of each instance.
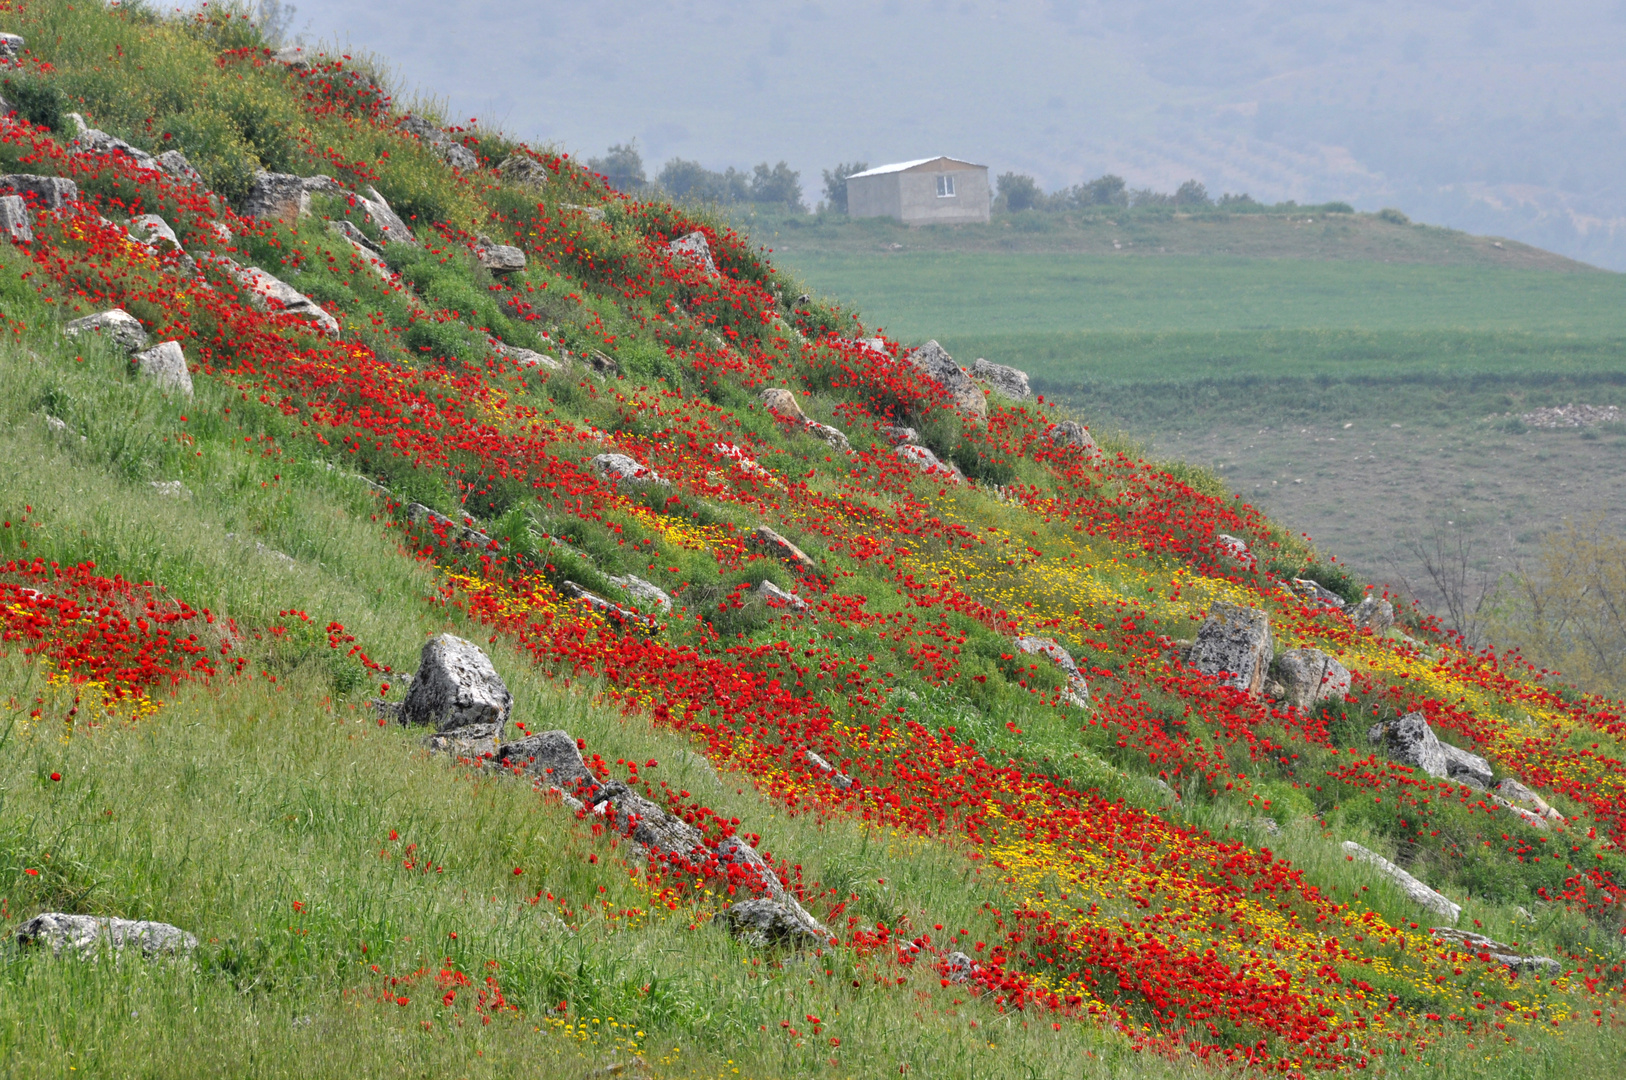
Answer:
(238, 800)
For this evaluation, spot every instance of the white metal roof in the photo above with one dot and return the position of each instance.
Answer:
(905, 166)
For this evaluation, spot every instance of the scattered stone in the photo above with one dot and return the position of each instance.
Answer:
(90, 140)
(165, 364)
(935, 361)
(746, 463)
(457, 692)
(219, 232)
(1073, 433)
(591, 213)
(12, 46)
(370, 253)
(899, 435)
(172, 489)
(1418, 892)
(1309, 676)
(782, 403)
(15, 220)
(1519, 796)
(451, 152)
(89, 934)
(423, 517)
(277, 197)
(1499, 953)
(781, 548)
(763, 922)
(926, 461)
(775, 597)
(1233, 643)
(51, 192)
(553, 758)
(268, 293)
(525, 171)
(527, 357)
(1234, 546)
(498, 258)
(602, 365)
(174, 163)
(116, 324)
(294, 56)
(1316, 593)
(1572, 416)
(623, 469)
(386, 220)
(1411, 741)
(1007, 381)
(1373, 614)
(828, 434)
(1077, 691)
(958, 967)
(644, 592)
(321, 183)
(593, 600)
(835, 775)
(695, 249)
(56, 425)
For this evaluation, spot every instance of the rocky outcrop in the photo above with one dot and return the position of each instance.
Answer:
(423, 517)
(457, 692)
(958, 967)
(766, 539)
(764, 922)
(154, 232)
(775, 597)
(1314, 593)
(927, 462)
(623, 469)
(11, 46)
(1373, 614)
(935, 361)
(1077, 691)
(694, 248)
(523, 170)
(386, 220)
(89, 935)
(1006, 381)
(1073, 433)
(50, 192)
(15, 221)
(644, 592)
(165, 365)
(1518, 797)
(526, 358)
(1411, 741)
(370, 254)
(451, 152)
(604, 607)
(498, 258)
(269, 293)
(898, 435)
(277, 197)
(1233, 644)
(827, 434)
(1415, 890)
(1233, 546)
(175, 164)
(1499, 953)
(1309, 677)
(115, 324)
(89, 140)
(833, 774)
(782, 403)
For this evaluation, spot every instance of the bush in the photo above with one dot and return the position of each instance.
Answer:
(1393, 216)
(38, 102)
(1019, 192)
(835, 183)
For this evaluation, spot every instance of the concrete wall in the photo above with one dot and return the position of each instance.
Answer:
(911, 197)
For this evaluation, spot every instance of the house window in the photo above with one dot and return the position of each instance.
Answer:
(945, 186)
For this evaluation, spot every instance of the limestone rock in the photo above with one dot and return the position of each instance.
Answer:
(1234, 546)
(958, 967)
(1373, 614)
(90, 140)
(591, 213)
(834, 436)
(782, 403)
(448, 150)
(926, 461)
(1418, 892)
(1410, 741)
(775, 597)
(1500, 953)
(277, 197)
(897, 435)
(499, 258)
(458, 156)
(527, 357)
(1007, 381)
(1315, 593)
(386, 220)
(695, 249)
(369, 253)
(269, 293)
(1310, 676)
(593, 600)
(523, 170)
(15, 220)
(554, 759)
(763, 922)
(154, 231)
(644, 592)
(623, 469)
(51, 192)
(456, 689)
(1078, 690)
(782, 549)
(1233, 643)
(423, 517)
(1467, 768)
(1519, 796)
(935, 361)
(165, 364)
(12, 46)
(321, 183)
(1073, 433)
(601, 364)
(348, 230)
(89, 934)
(175, 164)
(116, 324)
(835, 775)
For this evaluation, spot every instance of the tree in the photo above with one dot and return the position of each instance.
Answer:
(622, 166)
(1108, 190)
(780, 184)
(1019, 191)
(835, 183)
(1453, 576)
(1192, 193)
(274, 19)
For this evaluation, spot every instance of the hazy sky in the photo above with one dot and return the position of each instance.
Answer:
(1499, 117)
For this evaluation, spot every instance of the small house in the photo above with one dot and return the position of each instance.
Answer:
(931, 191)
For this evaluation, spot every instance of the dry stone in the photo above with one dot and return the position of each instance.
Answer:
(526, 358)
(498, 258)
(378, 211)
(775, 597)
(1073, 433)
(898, 435)
(175, 164)
(781, 548)
(935, 361)
(88, 935)
(11, 46)
(696, 250)
(764, 922)
(423, 517)
(926, 461)
(1418, 892)
(593, 600)
(1520, 797)
(1499, 953)
(457, 691)
(644, 592)
(958, 967)
(523, 170)
(115, 324)
(1007, 381)
(1316, 593)
(51, 192)
(15, 220)
(269, 293)
(555, 760)
(277, 197)
(1310, 676)
(1077, 691)
(165, 364)
(782, 403)
(1410, 741)
(621, 468)
(90, 140)
(1234, 546)
(1373, 614)
(1233, 643)
(835, 775)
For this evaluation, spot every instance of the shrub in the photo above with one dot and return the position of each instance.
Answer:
(1393, 216)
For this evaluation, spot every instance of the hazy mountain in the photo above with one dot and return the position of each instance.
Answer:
(1496, 117)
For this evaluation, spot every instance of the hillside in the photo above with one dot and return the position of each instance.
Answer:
(511, 628)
